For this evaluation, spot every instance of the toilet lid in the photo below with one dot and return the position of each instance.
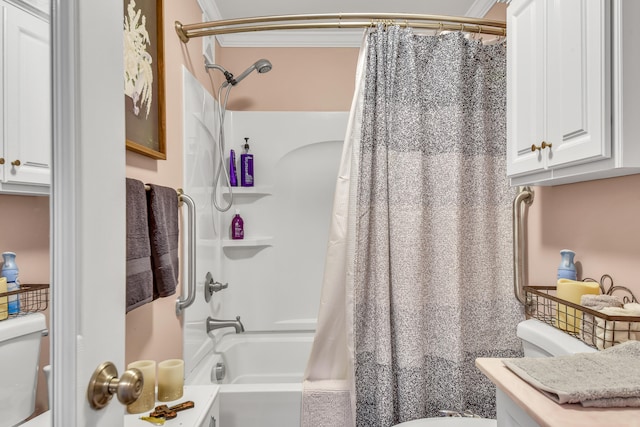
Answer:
(450, 422)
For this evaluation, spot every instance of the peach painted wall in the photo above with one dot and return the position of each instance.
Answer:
(153, 331)
(596, 219)
(24, 229)
(302, 79)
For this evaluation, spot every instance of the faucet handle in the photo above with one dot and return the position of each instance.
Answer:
(211, 286)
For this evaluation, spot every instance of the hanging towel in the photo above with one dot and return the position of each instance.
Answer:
(608, 378)
(139, 275)
(163, 231)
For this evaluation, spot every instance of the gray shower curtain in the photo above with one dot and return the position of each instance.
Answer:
(433, 251)
(418, 277)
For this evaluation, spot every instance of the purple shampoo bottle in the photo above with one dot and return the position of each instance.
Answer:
(237, 227)
(246, 166)
(233, 176)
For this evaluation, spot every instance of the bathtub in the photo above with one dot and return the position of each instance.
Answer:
(262, 385)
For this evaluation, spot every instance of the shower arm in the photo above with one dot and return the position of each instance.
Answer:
(520, 203)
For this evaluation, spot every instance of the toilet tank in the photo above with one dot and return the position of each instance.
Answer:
(20, 339)
(542, 340)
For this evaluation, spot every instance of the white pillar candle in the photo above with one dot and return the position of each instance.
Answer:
(170, 380)
(147, 398)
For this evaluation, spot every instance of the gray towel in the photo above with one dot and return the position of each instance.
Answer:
(163, 231)
(139, 276)
(609, 378)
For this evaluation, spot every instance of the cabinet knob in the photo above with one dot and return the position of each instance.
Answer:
(1, 160)
(16, 163)
(542, 146)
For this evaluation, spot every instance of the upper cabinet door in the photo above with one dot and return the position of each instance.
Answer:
(525, 85)
(571, 90)
(578, 81)
(27, 87)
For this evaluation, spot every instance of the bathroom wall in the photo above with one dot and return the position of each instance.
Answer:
(153, 331)
(24, 229)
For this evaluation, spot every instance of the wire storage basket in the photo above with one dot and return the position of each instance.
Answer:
(33, 298)
(594, 328)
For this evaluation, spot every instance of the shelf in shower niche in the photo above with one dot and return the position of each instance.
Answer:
(260, 190)
(254, 242)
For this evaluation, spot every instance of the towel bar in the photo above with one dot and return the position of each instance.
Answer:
(181, 304)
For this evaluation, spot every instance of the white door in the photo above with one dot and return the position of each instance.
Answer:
(88, 206)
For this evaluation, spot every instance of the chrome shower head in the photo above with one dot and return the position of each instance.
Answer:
(261, 65)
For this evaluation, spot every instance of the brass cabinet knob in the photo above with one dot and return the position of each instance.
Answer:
(1, 160)
(542, 146)
(16, 163)
(105, 383)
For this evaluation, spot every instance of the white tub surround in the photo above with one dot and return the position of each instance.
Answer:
(520, 404)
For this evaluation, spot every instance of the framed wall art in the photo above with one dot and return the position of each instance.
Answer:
(144, 78)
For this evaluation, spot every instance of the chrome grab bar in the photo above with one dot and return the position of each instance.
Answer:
(181, 304)
(520, 203)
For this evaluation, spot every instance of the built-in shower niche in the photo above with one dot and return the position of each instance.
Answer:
(275, 274)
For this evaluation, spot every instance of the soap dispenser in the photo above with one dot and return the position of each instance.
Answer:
(567, 268)
(246, 166)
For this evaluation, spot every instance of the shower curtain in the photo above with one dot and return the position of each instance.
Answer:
(424, 226)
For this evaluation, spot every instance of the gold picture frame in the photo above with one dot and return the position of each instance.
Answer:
(144, 78)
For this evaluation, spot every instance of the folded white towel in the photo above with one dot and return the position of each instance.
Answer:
(589, 325)
(612, 332)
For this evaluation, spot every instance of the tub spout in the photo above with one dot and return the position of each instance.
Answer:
(213, 324)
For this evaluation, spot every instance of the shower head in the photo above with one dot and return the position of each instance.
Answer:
(261, 66)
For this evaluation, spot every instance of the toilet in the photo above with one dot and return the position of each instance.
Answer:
(20, 339)
(538, 340)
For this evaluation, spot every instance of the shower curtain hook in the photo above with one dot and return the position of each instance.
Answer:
(479, 33)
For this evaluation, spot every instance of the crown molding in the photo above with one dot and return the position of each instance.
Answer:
(479, 8)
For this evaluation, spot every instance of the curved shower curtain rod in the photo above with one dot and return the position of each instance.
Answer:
(340, 20)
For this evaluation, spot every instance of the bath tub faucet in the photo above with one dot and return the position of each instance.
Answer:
(213, 324)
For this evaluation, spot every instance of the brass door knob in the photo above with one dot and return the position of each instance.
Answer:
(1, 160)
(542, 146)
(105, 383)
(16, 163)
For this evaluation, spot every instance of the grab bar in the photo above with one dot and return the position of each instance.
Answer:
(181, 304)
(520, 203)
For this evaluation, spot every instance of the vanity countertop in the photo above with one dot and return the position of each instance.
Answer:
(546, 412)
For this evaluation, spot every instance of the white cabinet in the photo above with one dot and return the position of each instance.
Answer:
(25, 117)
(569, 90)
